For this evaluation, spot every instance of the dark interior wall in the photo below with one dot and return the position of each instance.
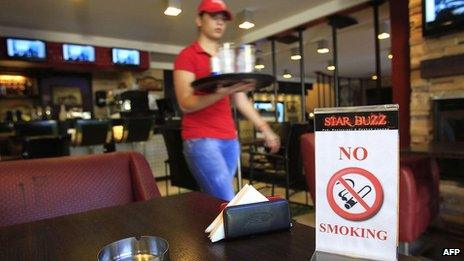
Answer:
(169, 92)
(48, 81)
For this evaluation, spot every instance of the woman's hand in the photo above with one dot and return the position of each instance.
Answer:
(271, 140)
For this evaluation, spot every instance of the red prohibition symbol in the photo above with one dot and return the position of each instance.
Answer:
(369, 211)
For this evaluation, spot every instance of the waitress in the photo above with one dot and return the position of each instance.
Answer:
(211, 146)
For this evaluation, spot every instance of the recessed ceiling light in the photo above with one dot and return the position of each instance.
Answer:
(173, 8)
(384, 31)
(259, 64)
(323, 47)
(287, 74)
(295, 54)
(246, 25)
(330, 66)
(246, 20)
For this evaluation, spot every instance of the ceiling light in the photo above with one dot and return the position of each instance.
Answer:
(295, 54)
(173, 8)
(390, 55)
(374, 77)
(330, 66)
(246, 21)
(384, 32)
(259, 64)
(383, 36)
(323, 47)
(287, 74)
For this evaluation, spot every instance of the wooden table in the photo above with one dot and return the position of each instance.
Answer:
(453, 150)
(180, 219)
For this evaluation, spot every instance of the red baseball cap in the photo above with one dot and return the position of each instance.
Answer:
(214, 6)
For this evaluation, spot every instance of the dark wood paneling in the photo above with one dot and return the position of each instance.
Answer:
(443, 67)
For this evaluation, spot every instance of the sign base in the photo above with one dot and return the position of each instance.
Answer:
(323, 256)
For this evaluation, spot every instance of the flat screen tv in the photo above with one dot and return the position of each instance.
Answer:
(27, 49)
(442, 16)
(78, 53)
(128, 57)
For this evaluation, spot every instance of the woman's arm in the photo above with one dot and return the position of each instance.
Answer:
(189, 102)
(246, 109)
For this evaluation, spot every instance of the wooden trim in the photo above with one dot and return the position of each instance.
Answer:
(442, 67)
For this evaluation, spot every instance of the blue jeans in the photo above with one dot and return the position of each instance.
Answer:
(213, 163)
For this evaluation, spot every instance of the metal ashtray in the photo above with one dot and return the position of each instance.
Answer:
(145, 248)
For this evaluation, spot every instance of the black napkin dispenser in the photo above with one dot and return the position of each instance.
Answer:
(256, 218)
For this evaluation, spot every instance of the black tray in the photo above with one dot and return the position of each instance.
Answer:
(210, 83)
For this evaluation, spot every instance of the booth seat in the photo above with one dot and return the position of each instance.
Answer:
(419, 189)
(37, 189)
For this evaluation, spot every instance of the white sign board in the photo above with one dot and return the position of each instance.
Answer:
(357, 168)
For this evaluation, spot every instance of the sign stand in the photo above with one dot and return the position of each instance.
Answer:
(357, 182)
(323, 256)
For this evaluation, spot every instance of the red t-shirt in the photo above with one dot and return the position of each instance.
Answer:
(214, 121)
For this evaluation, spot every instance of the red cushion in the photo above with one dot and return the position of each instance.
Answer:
(44, 188)
(307, 146)
(419, 199)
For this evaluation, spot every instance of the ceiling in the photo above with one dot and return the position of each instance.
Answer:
(120, 22)
(356, 49)
(141, 20)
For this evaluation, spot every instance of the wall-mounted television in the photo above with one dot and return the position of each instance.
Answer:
(128, 57)
(78, 53)
(27, 49)
(442, 16)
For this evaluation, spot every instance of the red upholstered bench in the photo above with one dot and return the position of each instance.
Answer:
(44, 188)
(419, 186)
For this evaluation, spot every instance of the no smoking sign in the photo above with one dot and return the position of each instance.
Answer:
(354, 194)
(357, 179)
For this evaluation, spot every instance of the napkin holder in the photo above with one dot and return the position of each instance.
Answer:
(256, 218)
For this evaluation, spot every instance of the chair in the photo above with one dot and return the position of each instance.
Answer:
(307, 145)
(45, 146)
(40, 139)
(92, 134)
(36, 128)
(6, 127)
(419, 190)
(32, 190)
(6, 131)
(419, 196)
(284, 167)
(136, 130)
(138, 101)
(179, 172)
